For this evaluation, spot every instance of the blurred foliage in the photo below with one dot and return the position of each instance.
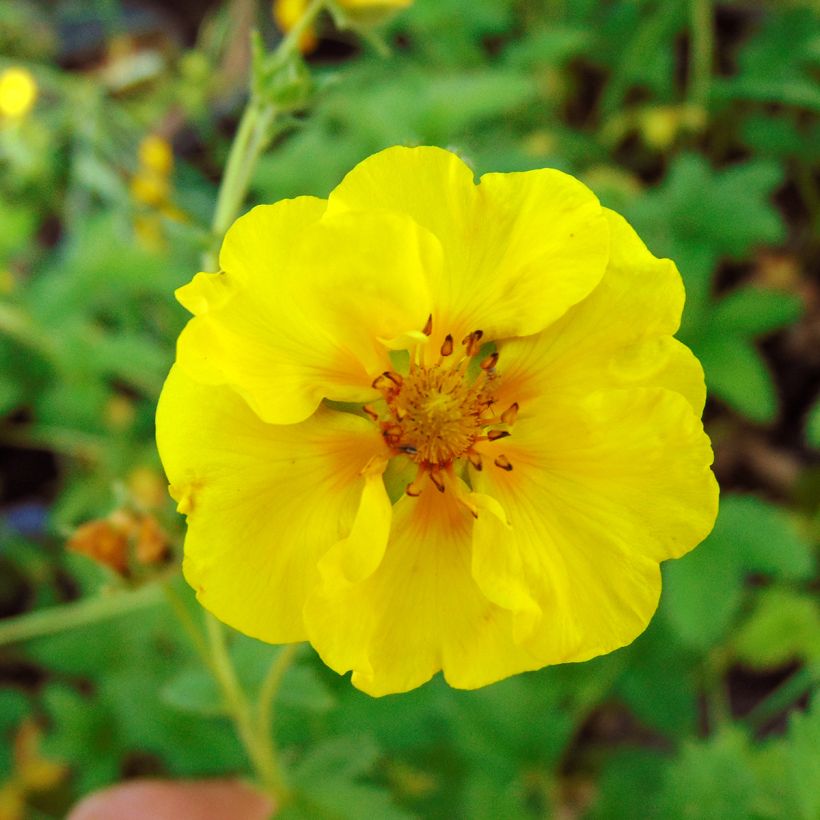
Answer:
(711, 713)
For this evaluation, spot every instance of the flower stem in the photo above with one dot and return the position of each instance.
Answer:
(702, 52)
(252, 135)
(260, 751)
(76, 614)
(267, 695)
(782, 697)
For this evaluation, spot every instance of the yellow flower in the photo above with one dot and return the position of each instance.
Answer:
(287, 13)
(156, 155)
(432, 425)
(18, 92)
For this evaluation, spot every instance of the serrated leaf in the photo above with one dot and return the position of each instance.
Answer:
(803, 757)
(194, 691)
(327, 783)
(765, 537)
(698, 205)
(710, 779)
(784, 627)
(736, 374)
(658, 683)
(703, 590)
(753, 311)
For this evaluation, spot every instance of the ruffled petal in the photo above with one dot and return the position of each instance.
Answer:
(264, 502)
(319, 326)
(419, 612)
(519, 248)
(619, 336)
(596, 498)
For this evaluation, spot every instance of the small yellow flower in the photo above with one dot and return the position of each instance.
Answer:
(287, 13)
(18, 92)
(156, 155)
(432, 425)
(148, 188)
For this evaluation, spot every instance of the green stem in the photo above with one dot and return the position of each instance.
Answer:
(266, 697)
(253, 132)
(702, 52)
(187, 622)
(80, 613)
(259, 752)
(782, 697)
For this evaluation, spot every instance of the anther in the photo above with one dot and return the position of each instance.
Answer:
(370, 412)
(510, 414)
(490, 362)
(436, 478)
(503, 462)
(447, 345)
(472, 342)
(494, 435)
(475, 460)
(381, 381)
(412, 490)
(428, 327)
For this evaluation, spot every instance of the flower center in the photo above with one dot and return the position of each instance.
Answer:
(436, 414)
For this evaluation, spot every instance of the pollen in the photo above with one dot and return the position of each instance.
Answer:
(436, 413)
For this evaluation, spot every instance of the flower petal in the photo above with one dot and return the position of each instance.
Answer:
(419, 612)
(264, 502)
(619, 336)
(314, 328)
(596, 498)
(519, 248)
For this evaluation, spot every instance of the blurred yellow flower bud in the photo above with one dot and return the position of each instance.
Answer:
(371, 12)
(18, 92)
(34, 772)
(147, 488)
(286, 13)
(155, 154)
(149, 188)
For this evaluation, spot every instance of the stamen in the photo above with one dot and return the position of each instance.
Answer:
(447, 345)
(490, 362)
(475, 459)
(472, 341)
(458, 492)
(367, 408)
(494, 435)
(381, 381)
(413, 489)
(437, 479)
(503, 462)
(510, 414)
(428, 327)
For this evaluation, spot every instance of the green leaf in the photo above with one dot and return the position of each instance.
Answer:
(700, 206)
(753, 311)
(658, 683)
(803, 759)
(629, 786)
(736, 374)
(328, 784)
(194, 691)
(784, 627)
(704, 589)
(766, 538)
(813, 425)
(710, 779)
